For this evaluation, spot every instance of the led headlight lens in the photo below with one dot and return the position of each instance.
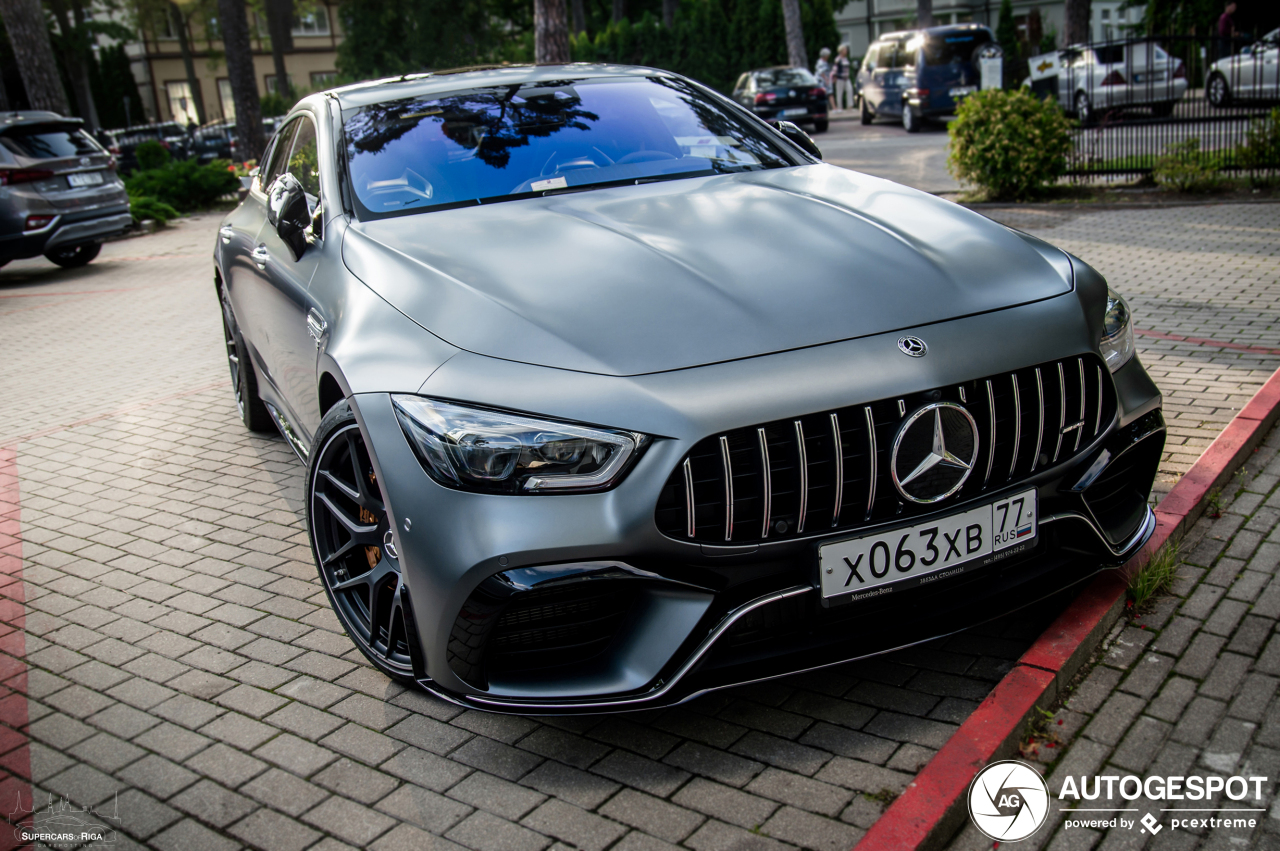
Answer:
(497, 452)
(1117, 332)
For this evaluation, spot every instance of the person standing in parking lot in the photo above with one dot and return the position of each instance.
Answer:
(822, 70)
(842, 86)
(1226, 30)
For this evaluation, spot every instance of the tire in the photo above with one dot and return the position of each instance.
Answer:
(866, 113)
(348, 524)
(244, 381)
(1217, 92)
(820, 125)
(1084, 109)
(74, 256)
(911, 122)
(1163, 110)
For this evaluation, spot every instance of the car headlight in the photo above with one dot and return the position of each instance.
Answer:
(1117, 332)
(497, 452)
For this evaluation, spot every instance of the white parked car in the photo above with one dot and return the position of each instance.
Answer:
(1098, 77)
(1251, 74)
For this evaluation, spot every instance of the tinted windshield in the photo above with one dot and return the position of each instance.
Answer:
(953, 47)
(784, 77)
(494, 144)
(46, 143)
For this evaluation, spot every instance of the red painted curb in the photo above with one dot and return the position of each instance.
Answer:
(933, 807)
(15, 755)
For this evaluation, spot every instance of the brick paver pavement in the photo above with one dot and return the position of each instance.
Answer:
(183, 657)
(1187, 687)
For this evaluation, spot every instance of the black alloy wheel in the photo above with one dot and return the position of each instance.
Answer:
(866, 112)
(1218, 92)
(911, 121)
(74, 256)
(351, 541)
(244, 383)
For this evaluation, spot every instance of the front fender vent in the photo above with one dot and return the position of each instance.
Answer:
(826, 471)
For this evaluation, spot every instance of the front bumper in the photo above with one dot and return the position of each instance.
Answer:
(695, 616)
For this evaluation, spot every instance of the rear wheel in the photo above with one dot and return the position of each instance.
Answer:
(243, 379)
(820, 125)
(351, 540)
(910, 120)
(866, 112)
(1218, 92)
(74, 256)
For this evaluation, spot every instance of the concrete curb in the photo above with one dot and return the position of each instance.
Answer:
(932, 808)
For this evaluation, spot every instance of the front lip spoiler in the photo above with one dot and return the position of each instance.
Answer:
(1122, 554)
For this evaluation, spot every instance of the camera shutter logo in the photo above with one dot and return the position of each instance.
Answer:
(1008, 801)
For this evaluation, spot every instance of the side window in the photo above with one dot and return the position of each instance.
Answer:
(742, 83)
(279, 155)
(304, 162)
(872, 58)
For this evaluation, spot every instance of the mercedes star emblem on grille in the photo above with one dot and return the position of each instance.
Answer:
(912, 346)
(934, 452)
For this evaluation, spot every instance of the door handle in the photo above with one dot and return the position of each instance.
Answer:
(316, 326)
(226, 232)
(260, 256)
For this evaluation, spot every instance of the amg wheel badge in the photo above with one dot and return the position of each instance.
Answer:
(934, 452)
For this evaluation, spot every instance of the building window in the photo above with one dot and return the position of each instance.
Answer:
(182, 105)
(271, 83)
(314, 21)
(227, 100)
(323, 80)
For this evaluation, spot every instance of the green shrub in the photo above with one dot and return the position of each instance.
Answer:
(185, 185)
(1183, 167)
(1260, 151)
(152, 155)
(1009, 143)
(144, 207)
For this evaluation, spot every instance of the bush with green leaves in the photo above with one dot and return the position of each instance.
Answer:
(1009, 143)
(185, 185)
(152, 155)
(1183, 167)
(1260, 152)
(143, 207)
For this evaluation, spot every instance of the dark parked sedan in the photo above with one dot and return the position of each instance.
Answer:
(609, 394)
(784, 93)
(60, 195)
(172, 135)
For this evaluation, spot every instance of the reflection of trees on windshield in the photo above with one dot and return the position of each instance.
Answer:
(719, 123)
(489, 122)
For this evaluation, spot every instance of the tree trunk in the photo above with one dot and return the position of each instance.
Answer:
(619, 10)
(550, 33)
(280, 29)
(244, 82)
(796, 54)
(73, 61)
(1077, 14)
(4, 97)
(924, 13)
(92, 115)
(33, 52)
(188, 62)
(669, 8)
(579, 17)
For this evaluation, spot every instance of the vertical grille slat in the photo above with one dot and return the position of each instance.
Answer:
(762, 482)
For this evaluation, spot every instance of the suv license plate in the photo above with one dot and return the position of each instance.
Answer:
(926, 552)
(962, 91)
(804, 110)
(85, 178)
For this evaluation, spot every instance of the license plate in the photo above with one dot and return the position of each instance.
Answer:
(1148, 78)
(962, 91)
(804, 110)
(947, 546)
(85, 178)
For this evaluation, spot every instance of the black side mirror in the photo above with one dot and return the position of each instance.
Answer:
(797, 136)
(289, 213)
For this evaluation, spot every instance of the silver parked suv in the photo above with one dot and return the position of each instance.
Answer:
(60, 195)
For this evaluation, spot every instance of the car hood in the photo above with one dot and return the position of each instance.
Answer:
(663, 276)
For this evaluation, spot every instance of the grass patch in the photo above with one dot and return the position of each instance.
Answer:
(884, 797)
(1155, 576)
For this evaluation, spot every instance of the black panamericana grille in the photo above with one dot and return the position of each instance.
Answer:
(830, 470)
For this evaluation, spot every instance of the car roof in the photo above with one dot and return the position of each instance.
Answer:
(945, 29)
(450, 80)
(776, 68)
(17, 119)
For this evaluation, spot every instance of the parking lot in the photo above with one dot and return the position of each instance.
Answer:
(171, 661)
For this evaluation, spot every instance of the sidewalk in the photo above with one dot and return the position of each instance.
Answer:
(1186, 686)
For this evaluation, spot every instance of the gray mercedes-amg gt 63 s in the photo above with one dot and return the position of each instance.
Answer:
(611, 393)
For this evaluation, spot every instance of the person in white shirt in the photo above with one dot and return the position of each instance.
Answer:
(842, 84)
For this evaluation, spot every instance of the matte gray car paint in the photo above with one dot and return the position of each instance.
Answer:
(558, 369)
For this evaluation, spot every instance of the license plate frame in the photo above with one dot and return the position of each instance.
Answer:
(81, 179)
(961, 91)
(847, 569)
(793, 112)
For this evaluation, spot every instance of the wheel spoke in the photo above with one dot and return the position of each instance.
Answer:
(356, 529)
(346, 489)
(373, 502)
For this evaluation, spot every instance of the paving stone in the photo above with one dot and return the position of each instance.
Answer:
(496, 795)
(652, 815)
(1140, 744)
(714, 763)
(426, 809)
(351, 822)
(633, 770)
(1199, 721)
(285, 792)
(188, 834)
(294, 754)
(212, 804)
(811, 831)
(1227, 674)
(576, 826)
(799, 791)
(1175, 695)
(496, 758)
(353, 780)
(718, 836)
(486, 832)
(272, 831)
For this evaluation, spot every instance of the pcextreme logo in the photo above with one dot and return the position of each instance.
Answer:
(1008, 801)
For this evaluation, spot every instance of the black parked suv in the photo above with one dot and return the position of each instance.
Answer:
(60, 195)
(171, 134)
